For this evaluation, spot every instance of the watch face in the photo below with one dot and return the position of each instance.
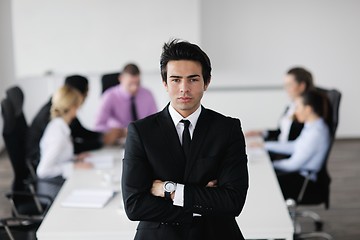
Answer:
(169, 187)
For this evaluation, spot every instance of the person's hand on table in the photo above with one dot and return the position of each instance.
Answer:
(82, 156)
(256, 144)
(110, 137)
(253, 133)
(83, 165)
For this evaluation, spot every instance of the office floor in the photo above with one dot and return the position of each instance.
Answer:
(342, 220)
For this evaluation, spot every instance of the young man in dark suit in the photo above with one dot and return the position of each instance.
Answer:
(185, 168)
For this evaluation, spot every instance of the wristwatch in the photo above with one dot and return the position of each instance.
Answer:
(169, 187)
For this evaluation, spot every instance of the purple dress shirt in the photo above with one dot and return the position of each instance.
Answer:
(115, 108)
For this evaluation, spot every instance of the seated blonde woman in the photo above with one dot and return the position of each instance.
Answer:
(56, 147)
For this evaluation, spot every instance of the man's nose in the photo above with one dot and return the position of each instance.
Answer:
(184, 86)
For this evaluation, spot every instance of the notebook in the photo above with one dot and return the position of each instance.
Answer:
(101, 161)
(88, 198)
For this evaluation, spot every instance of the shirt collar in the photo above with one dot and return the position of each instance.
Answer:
(64, 126)
(314, 123)
(123, 92)
(176, 117)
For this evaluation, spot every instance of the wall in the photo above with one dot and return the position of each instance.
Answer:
(7, 74)
(251, 43)
(255, 42)
(94, 36)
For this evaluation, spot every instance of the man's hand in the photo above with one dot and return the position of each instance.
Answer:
(212, 183)
(157, 188)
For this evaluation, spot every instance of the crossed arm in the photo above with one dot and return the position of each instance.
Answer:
(143, 195)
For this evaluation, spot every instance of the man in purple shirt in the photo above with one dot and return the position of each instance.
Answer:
(125, 102)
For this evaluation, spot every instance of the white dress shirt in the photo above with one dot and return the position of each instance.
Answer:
(56, 149)
(176, 117)
(307, 151)
(285, 123)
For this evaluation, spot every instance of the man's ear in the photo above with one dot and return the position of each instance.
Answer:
(207, 85)
(165, 84)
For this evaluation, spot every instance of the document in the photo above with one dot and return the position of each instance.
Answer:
(88, 198)
(101, 161)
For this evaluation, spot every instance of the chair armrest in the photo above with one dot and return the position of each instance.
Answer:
(41, 210)
(26, 194)
(18, 222)
(41, 180)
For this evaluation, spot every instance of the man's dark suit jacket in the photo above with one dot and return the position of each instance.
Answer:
(84, 139)
(153, 151)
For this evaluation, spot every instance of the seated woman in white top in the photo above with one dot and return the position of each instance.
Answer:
(56, 147)
(308, 151)
(296, 81)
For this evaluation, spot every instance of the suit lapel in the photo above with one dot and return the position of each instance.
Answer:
(197, 141)
(171, 138)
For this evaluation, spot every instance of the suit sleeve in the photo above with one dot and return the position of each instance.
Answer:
(137, 180)
(84, 139)
(229, 197)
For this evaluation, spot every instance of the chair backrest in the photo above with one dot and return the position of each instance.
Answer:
(334, 98)
(321, 193)
(109, 80)
(14, 133)
(16, 97)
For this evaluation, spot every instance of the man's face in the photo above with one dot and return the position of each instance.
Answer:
(130, 83)
(185, 85)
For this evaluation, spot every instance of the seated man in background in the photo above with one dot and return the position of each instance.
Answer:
(127, 102)
(84, 140)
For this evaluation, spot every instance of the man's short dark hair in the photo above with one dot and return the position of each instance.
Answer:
(183, 50)
(78, 82)
(131, 69)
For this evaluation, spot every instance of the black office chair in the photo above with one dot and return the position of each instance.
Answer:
(320, 192)
(18, 228)
(109, 80)
(23, 198)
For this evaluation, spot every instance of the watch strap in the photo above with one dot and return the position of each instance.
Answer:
(167, 195)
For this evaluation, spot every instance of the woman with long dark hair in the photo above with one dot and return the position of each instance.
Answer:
(308, 151)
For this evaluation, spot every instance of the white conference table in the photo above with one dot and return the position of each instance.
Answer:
(264, 216)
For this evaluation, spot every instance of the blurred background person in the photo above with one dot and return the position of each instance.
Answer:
(308, 151)
(125, 102)
(56, 147)
(297, 81)
(83, 139)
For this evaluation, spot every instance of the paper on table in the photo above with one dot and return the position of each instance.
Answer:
(88, 198)
(101, 161)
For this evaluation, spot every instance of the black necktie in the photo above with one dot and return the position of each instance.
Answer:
(133, 109)
(186, 139)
